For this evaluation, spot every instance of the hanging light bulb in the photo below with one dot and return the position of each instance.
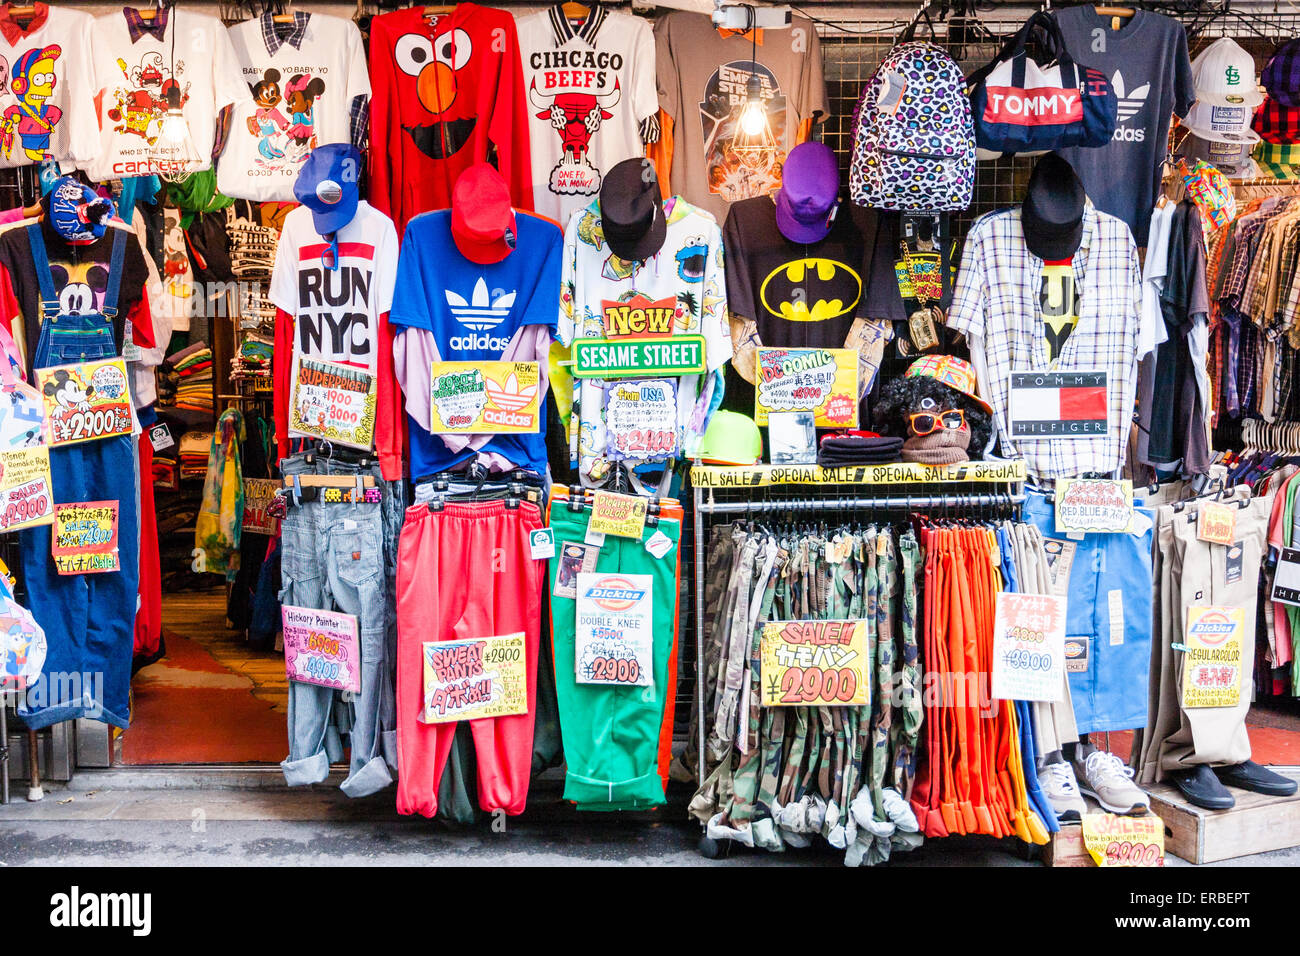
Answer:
(753, 115)
(755, 143)
(173, 154)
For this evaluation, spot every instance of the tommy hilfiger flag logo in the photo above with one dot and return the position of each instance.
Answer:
(1058, 405)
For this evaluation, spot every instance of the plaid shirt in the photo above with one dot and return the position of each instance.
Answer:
(996, 305)
(1276, 123)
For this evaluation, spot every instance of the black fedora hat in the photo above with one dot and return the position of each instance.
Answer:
(631, 210)
(1052, 213)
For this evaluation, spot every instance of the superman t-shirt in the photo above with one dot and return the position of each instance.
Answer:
(448, 308)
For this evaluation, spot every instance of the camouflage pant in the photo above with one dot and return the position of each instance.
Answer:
(905, 732)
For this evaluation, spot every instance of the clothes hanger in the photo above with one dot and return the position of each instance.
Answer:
(575, 11)
(285, 15)
(1116, 14)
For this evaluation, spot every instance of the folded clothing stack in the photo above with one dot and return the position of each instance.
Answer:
(852, 447)
(192, 367)
(165, 473)
(193, 454)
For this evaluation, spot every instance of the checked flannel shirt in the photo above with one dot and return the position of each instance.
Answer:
(996, 305)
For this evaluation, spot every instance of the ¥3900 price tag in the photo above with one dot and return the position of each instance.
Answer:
(1124, 841)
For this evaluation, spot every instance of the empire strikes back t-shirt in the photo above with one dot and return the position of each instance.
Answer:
(703, 78)
(1146, 62)
(448, 308)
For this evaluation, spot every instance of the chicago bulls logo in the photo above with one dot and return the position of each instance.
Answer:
(576, 117)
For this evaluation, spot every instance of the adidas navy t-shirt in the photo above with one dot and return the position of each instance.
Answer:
(473, 312)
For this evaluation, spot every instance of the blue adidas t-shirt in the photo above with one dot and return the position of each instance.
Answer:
(473, 312)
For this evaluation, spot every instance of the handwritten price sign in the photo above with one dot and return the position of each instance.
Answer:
(25, 497)
(814, 663)
(1124, 841)
(85, 401)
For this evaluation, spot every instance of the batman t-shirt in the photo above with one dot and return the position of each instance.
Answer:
(798, 294)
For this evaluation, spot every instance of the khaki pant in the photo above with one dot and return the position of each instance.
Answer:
(1194, 573)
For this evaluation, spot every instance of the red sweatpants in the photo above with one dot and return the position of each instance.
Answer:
(148, 619)
(464, 572)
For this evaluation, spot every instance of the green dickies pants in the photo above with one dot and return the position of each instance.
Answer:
(611, 734)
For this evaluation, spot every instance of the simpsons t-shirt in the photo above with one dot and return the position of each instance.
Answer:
(303, 77)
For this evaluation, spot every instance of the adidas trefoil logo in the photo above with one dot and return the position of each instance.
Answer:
(1130, 104)
(481, 313)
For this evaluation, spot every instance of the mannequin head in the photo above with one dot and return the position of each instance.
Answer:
(1052, 213)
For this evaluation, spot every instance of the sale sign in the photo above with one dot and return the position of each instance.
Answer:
(321, 647)
(85, 401)
(1094, 505)
(822, 381)
(26, 499)
(1124, 841)
(814, 663)
(614, 641)
(334, 402)
(85, 537)
(474, 678)
(1029, 646)
(641, 420)
(1212, 665)
(258, 495)
(475, 398)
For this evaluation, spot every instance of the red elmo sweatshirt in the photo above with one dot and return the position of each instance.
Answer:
(446, 93)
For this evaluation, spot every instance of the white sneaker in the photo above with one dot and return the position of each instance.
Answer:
(1062, 791)
(1110, 783)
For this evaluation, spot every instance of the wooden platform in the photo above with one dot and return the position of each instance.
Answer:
(1256, 824)
(1065, 848)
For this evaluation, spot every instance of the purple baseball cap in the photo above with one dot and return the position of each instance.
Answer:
(809, 193)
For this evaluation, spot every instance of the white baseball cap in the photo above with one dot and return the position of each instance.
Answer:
(1224, 75)
(1222, 124)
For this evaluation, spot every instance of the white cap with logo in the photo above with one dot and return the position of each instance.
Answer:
(1224, 75)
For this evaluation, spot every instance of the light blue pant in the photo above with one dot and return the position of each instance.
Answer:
(332, 558)
(1109, 607)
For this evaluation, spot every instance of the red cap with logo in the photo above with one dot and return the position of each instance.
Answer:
(482, 221)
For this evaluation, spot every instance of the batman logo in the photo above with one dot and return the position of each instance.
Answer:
(810, 290)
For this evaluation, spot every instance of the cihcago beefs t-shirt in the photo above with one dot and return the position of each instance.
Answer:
(451, 309)
(136, 65)
(46, 111)
(591, 90)
(339, 315)
(303, 77)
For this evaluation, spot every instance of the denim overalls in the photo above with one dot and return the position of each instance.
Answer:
(89, 619)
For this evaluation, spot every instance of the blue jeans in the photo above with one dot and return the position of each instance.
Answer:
(332, 558)
(89, 619)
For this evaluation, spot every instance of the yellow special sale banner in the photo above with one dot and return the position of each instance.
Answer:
(1124, 841)
(477, 677)
(476, 398)
(821, 381)
(1212, 666)
(814, 663)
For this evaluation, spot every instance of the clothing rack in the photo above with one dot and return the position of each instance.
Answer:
(847, 502)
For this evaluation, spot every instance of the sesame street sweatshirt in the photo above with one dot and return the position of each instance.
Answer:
(447, 92)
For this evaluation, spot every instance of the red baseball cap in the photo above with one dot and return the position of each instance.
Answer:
(482, 221)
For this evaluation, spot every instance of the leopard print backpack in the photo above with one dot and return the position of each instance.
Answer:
(913, 134)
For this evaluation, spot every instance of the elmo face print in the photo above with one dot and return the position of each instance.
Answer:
(434, 65)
